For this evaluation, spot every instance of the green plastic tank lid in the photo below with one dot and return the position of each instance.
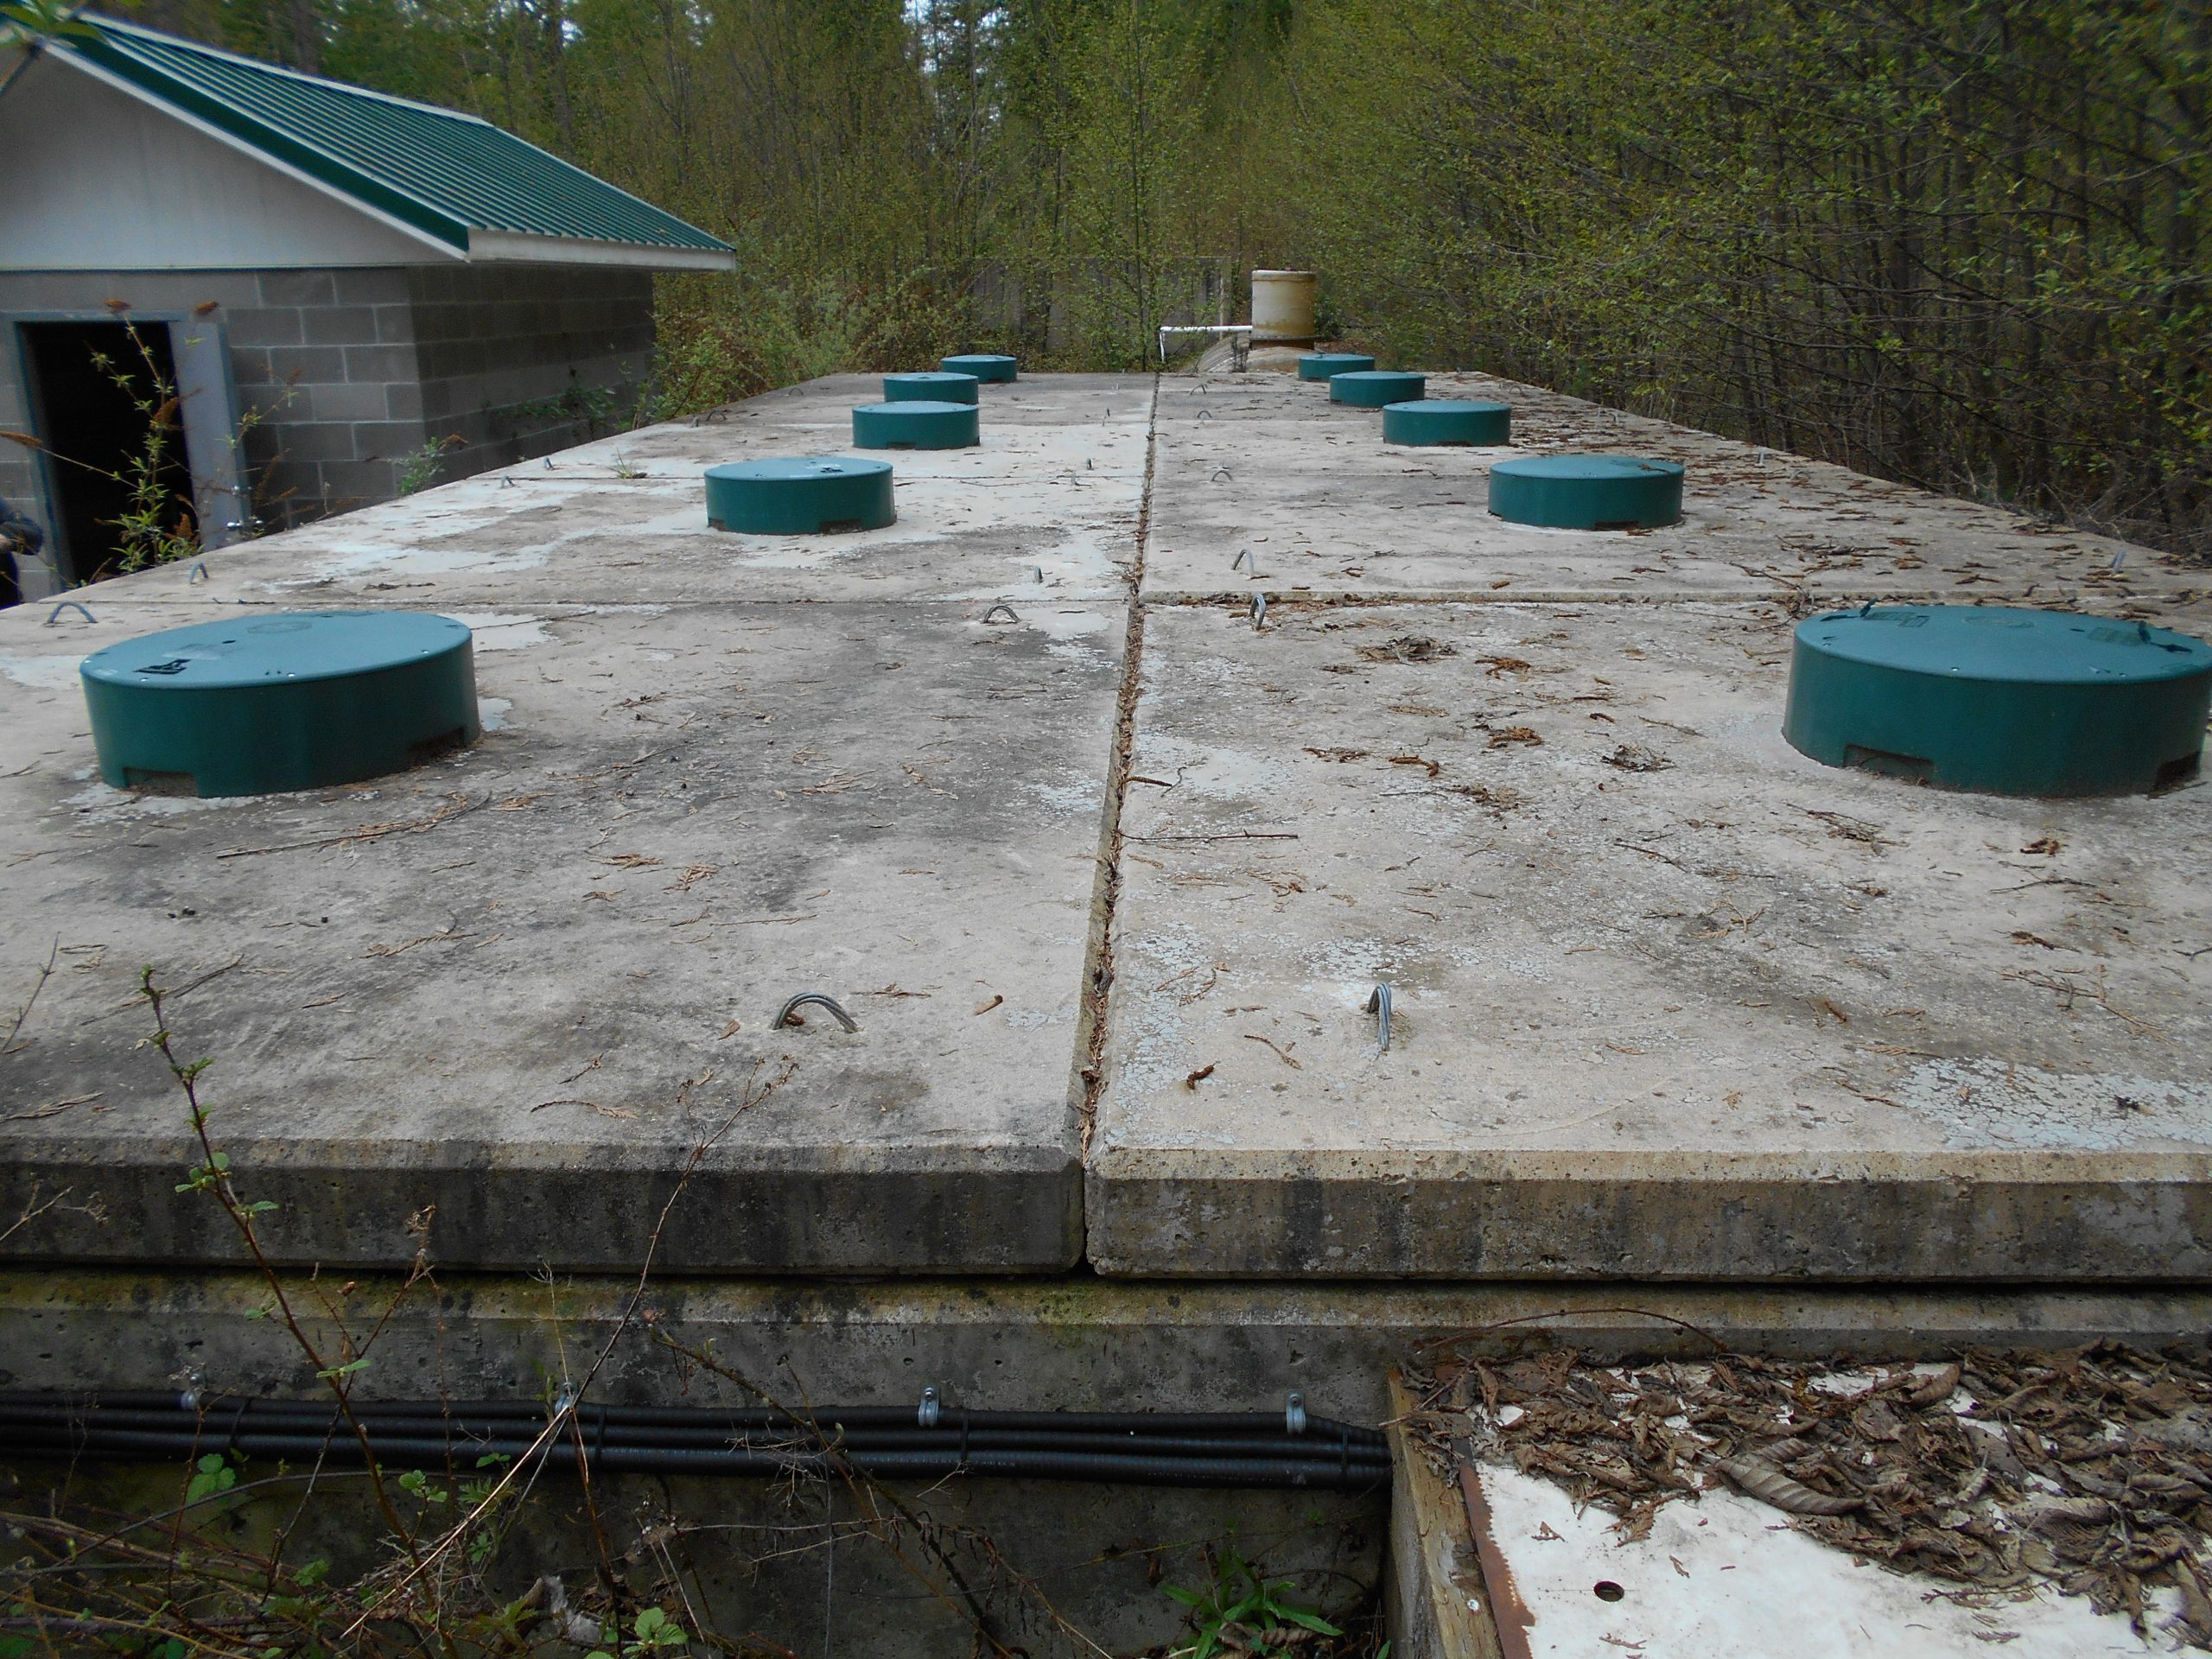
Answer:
(1587, 492)
(1323, 365)
(1447, 420)
(930, 387)
(300, 699)
(916, 426)
(1374, 387)
(984, 366)
(2000, 700)
(802, 497)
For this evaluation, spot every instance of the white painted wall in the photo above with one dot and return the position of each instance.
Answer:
(95, 179)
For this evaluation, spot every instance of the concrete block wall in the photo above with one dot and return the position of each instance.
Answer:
(320, 364)
(345, 376)
(516, 361)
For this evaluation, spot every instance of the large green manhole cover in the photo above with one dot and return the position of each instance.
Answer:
(300, 699)
(1327, 365)
(800, 498)
(1447, 420)
(983, 365)
(2000, 700)
(930, 387)
(916, 426)
(1373, 388)
(1587, 492)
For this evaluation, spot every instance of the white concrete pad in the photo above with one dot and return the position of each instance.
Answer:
(1326, 509)
(1725, 1574)
(1045, 508)
(1671, 1000)
(523, 983)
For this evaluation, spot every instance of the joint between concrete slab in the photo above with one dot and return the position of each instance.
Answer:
(1098, 978)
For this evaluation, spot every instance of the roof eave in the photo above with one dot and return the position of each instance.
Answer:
(488, 247)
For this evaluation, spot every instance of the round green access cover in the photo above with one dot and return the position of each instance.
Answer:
(930, 387)
(1447, 420)
(2003, 700)
(1373, 388)
(1327, 365)
(984, 366)
(800, 498)
(300, 699)
(1587, 492)
(916, 426)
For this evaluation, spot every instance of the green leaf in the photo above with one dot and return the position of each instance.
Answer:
(1188, 1597)
(657, 1629)
(334, 1372)
(211, 1475)
(1310, 1621)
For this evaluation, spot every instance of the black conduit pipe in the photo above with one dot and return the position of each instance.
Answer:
(1221, 1450)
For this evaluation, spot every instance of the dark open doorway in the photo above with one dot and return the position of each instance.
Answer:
(94, 385)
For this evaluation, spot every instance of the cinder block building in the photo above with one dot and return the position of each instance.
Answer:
(346, 291)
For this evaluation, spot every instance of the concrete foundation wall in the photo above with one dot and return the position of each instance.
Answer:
(344, 376)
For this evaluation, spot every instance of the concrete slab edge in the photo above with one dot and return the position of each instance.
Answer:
(1074, 1344)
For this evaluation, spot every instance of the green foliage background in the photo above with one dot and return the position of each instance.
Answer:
(1956, 241)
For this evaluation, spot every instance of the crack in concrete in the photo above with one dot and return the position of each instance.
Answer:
(1099, 975)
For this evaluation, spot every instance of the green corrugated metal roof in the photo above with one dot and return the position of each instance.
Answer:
(444, 173)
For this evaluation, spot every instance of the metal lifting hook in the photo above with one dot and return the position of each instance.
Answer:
(820, 1000)
(1378, 1004)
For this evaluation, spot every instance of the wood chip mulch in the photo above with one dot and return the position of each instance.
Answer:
(2090, 1470)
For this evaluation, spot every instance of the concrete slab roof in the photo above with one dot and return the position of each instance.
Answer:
(1329, 511)
(522, 983)
(1045, 508)
(1672, 1001)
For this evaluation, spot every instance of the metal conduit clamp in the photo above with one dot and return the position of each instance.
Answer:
(931, 1408)
(820, 1000)
(1378, 1004)
(1293, 1413)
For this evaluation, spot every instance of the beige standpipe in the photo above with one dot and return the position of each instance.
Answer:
(1282, 307)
